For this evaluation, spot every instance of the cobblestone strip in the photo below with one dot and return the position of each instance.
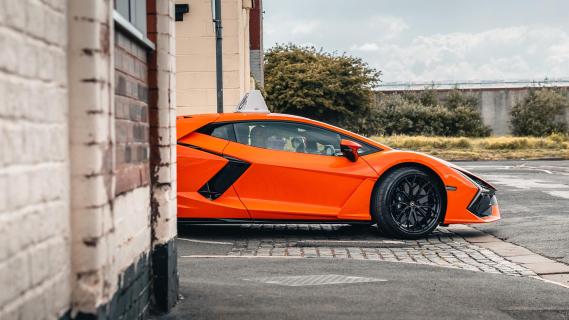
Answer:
(443, 248)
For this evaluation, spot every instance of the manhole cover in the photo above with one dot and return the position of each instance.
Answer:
(352, 243)
(314, 280)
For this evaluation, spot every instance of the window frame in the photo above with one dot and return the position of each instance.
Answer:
(211, 126)
(128, 25)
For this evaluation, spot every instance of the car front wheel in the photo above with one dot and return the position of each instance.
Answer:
(408, 203)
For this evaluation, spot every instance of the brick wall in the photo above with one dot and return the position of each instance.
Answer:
(131, 114)
(34, 165)
(162, 93)
(86, 231)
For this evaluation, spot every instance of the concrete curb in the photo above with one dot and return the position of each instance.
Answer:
(546, 269)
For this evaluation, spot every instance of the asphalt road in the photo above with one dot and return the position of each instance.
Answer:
(534, 199)
(230, 288)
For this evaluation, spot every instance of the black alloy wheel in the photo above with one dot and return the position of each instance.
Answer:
(408, 203)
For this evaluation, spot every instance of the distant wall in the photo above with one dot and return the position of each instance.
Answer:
(495, 104)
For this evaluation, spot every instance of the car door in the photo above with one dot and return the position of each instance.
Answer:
(205, 177)
(295, 172)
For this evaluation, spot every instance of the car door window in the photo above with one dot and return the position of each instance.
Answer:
(288, 136)
(221, 131)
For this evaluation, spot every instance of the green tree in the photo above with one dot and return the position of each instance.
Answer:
(410, 114)
(332, 88)
(541, 113)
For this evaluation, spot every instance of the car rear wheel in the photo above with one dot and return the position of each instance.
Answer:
(408, 203)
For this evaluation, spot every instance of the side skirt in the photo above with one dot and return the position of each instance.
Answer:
(187, 221)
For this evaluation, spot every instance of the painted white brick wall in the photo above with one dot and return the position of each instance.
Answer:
(109, 233)
(164, 192)
(34, 166)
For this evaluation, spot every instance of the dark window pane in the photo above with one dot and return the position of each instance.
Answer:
(221, 131)
(139, 15)
(286, 136)
(123, 7)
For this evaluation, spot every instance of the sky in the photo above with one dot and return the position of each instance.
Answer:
(432, 40)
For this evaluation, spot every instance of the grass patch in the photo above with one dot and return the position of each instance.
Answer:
(490, 148)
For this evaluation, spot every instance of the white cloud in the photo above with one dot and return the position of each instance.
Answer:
(305, 27)
(502, 53)
(365, 47)
(387, 27)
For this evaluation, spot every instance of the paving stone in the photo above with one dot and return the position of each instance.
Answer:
(505, 249)
(559, 278)
(445, 248)
(530, 258)
(547, 267)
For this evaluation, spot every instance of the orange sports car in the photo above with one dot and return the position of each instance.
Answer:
(261, 167)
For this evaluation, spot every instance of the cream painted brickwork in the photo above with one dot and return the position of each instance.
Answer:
(109, 234)
(34, 165)
(195, 56)
(67, 239)
(91, 135)
(163, 168)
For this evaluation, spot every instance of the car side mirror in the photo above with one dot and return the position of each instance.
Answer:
(350, 149)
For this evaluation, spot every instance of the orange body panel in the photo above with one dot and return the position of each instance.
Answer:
(288, 185)
(283, 185)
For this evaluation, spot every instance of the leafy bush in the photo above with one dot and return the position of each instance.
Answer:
(541, 113)
(308, 82)
(424, 115)
(338, 89)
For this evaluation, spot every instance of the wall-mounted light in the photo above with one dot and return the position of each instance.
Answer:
(181, 9)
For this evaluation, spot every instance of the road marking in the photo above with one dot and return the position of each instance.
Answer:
(545, 169)
(559, 193)
(204, 241)
(314, 280)
(522, 183)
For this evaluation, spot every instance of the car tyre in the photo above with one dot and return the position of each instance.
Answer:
(408, 203)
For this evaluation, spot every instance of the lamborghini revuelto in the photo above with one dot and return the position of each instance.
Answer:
(261, 167)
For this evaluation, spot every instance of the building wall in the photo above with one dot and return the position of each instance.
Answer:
(87, 185)
(162, 93)
(495, 104)
(195, 56)
(116, 129)
(34, 164)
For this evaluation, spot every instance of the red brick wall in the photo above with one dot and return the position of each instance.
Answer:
(131, 114)
(255, 16)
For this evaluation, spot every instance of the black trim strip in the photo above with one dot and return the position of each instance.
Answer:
(199, 148)
(268, 221)
(224, 179)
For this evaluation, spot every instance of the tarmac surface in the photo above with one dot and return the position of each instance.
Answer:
(221, 288)
(249, 272)
(534, 200)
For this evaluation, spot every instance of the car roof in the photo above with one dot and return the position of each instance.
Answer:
(257, 116)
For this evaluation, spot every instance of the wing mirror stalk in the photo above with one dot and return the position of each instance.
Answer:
(350, 149)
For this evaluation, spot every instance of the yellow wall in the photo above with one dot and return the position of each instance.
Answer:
(195, 56)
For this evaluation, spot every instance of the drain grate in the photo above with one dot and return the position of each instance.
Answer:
(352, 243)
(314, 280)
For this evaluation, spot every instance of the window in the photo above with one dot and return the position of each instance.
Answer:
(282, 135)
(134, 11)
(221, 131)
(293, 137)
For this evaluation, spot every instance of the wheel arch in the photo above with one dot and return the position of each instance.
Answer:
(411, 164)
